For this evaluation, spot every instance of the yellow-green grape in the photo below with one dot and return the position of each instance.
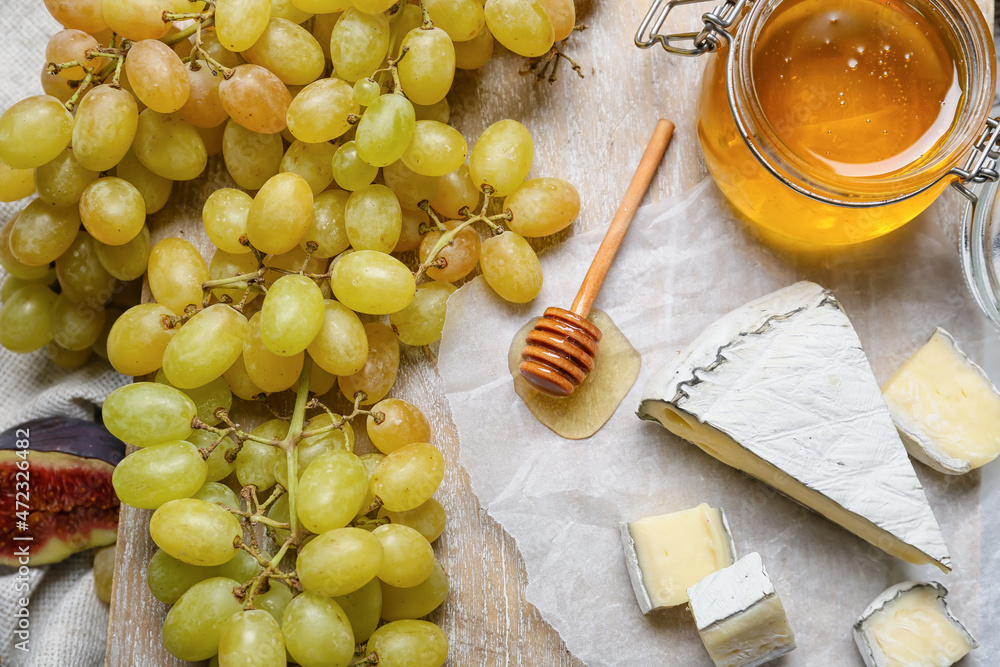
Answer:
(339, 561)
(280, 213)
(459, 257)
(207, 398)
(284, 9)
(320, 111)
(371, 462)
(100, 346)
(169, 146)
(313, 162)
(148, 413)
(193, 626)
(372, 282)
(153, 475)
(224, 216)
(168, 578)
(349, 170)
(331, 491)
(291, 316)
(218, 467)
(159, 78)
(11, 284)
(502, 157)
(363, 608)
(341, 346)
(407, 556)
(455, 192)
(522, 26)
(251, 157)
(26, 319)
(106, 122)
(112, 210)
(372, 6)
(427, 71)
(34, 131)
(43, 233)
(395, 423)
(511, 267)
(11, 264)
(436, 149)
(476, 52)
(138, 19)
(385, 130)
(327, 229)
(266, 369)
(138, 339)
(317, 632)
(289, 51)
(322, 7)
(461, 19)
(323, 24)
(278, 512)
(256, 461)
(210, 43)
(321, 381)
(81, 277)
(240, 23)
(397, 644)
(86, 15)
(373, 219)
(417, 601)
(359, 44)
(366, 91)
(542, 206)
(155, 189)
(62, 181)
(176, 272)
(439, 111)
(68, 359)
(410, 233)
(562, 14)
(127, 261)
(205, 347)
(241, 567)
(309, 449)
(239, 382)
(274, 601)
(251, 638)
(256, 99)
(428, 519)
(410, 187)
(195, 532)
(225, 265)
(421, 322)
(380, 369)
(76, 326)
(15, 184)
(408, 476)
(218, 494)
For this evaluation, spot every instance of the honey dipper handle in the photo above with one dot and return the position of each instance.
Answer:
(626, 211)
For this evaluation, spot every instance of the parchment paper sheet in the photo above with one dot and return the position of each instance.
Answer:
(684, 263)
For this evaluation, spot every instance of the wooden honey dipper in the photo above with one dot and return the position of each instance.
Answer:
(561, 348)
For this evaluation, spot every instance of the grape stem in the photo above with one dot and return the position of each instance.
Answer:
(428, 24)
(368, 661)
(292, 452)
(397, 20)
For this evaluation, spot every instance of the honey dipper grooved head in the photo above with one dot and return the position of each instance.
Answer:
(560, 352)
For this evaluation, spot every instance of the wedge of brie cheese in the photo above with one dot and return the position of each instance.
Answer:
(739, 616)
(945, 407)
(781, 389)
(909, 625)
(666, 554)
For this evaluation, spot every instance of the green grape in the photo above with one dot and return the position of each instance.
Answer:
(195, 532)
(409, 643)
(407, 556)
(511, 267)
(256, 461)
(203, 108)
(475, 52)
(371, 462)
(241, 567)
(372, 282)
(522, 26)
(266, 369)
(284, 9)
(159, 78)
(169, 578)
(239, 382)
(542, 206)
(11, 284)
(381, 366)
(459, 256)
(359, 44)
(155, 189)
(138, 19)
(408, 476)
(436, 149)
(226, 266)
(461, 19)
(100, 346)
(280, 214)
(373, 219)
(363, 608)
(225, 218)
(68, 46)
(147, 413)
(34, 131)
(373, 6)
(278, 512)
(455, 192)
(331, 491)
(428, 519)
(394, 423)
(112, 210)
(76, 326)
(410, 187)
(251, 638)
(338, 561)
(289, 51)
(309, 449)
(86, 15)
(62, 181)
(292, 315)
(562, 14)
(218, 467)
(251, 157)
(127, 261)
(218, 494)
(43, 233)
(349, 170)
(240, 23)
(366, 91)
(176, 272)
(427, 71)
(385, 130)
(81, 277)
(275, 600)
(137, 339)
(106, 122)
(15, 184)
(410, 231)
(320, 111)
(417, 601)
(11, 264)
(26, 319)
(149, 477)
(68, 359)
(255, 98)
(205, 347)
(341, 346)
(322, 6)
(169, 146)
(502, 157)
(317, 632)
(327, 229)
(193, 626)
(421, 322)
(439, 111)
(208, 398)
(313, 162)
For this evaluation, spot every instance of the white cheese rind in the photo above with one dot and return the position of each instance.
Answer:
(781, 389)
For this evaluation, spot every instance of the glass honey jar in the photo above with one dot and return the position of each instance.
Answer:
(831, 122)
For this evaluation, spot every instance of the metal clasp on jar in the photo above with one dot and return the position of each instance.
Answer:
(717, 23)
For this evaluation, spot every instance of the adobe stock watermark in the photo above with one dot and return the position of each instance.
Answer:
(22, 537)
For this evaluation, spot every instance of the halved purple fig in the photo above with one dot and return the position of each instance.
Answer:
(56, 496)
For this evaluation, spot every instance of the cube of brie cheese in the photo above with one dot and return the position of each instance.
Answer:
(909, 625)
(666, 554)
(945, 407)
(739, 615)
